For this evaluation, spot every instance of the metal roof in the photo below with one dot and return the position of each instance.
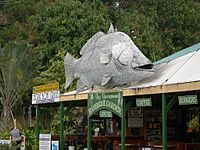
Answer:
(183, 69)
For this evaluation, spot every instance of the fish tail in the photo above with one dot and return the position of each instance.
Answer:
(69, 62)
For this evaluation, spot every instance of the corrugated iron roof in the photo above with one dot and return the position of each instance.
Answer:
(175, 70)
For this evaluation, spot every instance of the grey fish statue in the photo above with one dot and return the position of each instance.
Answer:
(108, 60)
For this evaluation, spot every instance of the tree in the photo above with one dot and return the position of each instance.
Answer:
(63, 26)
(18, 65)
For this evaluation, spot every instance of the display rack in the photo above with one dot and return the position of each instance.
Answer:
(152, 124)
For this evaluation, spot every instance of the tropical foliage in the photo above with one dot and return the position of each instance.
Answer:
(18, 65)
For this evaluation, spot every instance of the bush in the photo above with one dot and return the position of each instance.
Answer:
(8, 147)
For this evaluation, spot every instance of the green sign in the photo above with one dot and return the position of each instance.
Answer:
(105, 114)
(143, 102)
(111, 101)
(188, 100)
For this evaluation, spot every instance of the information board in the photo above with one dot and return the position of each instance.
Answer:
(48, 93)
(45, 142)
(135, 118)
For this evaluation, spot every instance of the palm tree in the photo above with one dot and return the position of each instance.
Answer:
(18, 65)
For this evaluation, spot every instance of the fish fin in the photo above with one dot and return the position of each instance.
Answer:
(105, 58)
(90, 44)
(69, 62)
(105, 80)
(111, 29)
(80, 86)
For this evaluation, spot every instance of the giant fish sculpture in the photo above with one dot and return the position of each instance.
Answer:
(108, 60)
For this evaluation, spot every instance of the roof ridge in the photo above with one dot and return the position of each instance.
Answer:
(179, 54)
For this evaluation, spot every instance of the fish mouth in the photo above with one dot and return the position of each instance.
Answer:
(147, 67)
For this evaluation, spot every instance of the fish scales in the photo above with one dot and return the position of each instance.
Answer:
(108, 60)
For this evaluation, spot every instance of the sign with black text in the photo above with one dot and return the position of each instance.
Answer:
(45, 142)
(48, 93)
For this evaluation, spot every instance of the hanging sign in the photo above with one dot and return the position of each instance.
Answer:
(111, 101)
(48, 93)
(105, 114)
(143, 102)
(187, 100)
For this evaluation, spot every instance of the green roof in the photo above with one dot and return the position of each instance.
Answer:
(179, 54)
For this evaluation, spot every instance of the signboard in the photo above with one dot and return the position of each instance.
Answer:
(45, 142)
(111, 101)
(135, 118)
(55, 145)
(45, 88)
(143, 102)
(5, 142)
(146, 148)
(187, 100)
(105, 114)
(48, 93)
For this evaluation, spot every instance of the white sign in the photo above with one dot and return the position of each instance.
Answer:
(55, 145)
(47, 93)
(5, 141)
(146, 148)
(46, 97)
(45, 142)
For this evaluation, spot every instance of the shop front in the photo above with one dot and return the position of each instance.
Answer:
(155, 113)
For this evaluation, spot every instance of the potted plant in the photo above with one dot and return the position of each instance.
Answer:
(71, 144)
(70, 133)
(193, 124)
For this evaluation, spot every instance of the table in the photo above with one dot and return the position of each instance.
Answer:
(160, 147)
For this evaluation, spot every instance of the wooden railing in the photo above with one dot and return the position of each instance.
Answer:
(188, 146)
